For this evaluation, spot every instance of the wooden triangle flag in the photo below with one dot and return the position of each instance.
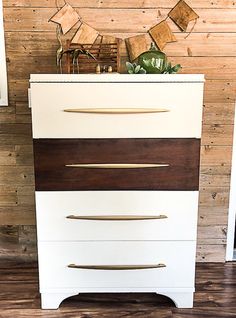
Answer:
(85, 35)
(162, 34)
(66, 17)
(182, 14)
(136, 45)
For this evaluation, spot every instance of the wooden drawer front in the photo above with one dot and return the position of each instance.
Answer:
(177, 211)
(182, 100)
(54, 258)
(55, 160)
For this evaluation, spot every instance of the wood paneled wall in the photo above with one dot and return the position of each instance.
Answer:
(30, 48)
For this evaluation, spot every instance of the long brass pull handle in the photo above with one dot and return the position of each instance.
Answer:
(116, 267)
(117, 165)
(116, 217)
(116, 110)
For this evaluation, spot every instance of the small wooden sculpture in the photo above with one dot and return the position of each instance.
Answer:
(75, 53)
(59, 50)
(98, 69)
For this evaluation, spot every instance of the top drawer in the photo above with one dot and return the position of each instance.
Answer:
(181, 102)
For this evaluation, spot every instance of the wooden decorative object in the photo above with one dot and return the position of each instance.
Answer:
(137, 45)
(66, 17)
(162, 34)
(85, 34)
(182, 14)
(106, 39)
(106, 54)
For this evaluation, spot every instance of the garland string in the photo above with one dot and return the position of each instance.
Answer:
(191, 29)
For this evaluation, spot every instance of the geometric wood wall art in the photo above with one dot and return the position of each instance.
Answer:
(182, 14)
(85, 35)
(162, 34)
(66, 17)
(137, 45)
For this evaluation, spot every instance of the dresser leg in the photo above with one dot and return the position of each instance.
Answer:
(181, 300)
(53, 300)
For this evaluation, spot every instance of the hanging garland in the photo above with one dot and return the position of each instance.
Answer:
(67, 17)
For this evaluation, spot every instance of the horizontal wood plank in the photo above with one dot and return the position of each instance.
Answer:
(23, 175)
(7, 155)
(215, 175)
(210, 241)
(215, 155)
(213, 253)
(218, 113)
(216, 231)
(25, 44)
(140, 20)
(11, 247)
(215, 68)
(17, 215)
(114, 4)
(213, 215)
(217, 135)
(220, 91)
(24, 154)
(210, 197)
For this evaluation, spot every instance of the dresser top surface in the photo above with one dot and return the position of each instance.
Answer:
(115, 77)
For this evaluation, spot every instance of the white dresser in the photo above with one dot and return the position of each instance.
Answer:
(116, 175)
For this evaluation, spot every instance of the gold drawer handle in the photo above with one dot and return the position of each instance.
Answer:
(116, 267)
(116, 110)
(117, 165)
(116, 217)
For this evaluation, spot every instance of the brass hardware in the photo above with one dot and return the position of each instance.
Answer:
(116, 110)
(116, 217)
(117, 267)
(117, 165)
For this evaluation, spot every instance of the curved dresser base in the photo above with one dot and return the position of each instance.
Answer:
(182, 297)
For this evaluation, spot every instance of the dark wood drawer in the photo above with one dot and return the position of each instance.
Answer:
(56, 160)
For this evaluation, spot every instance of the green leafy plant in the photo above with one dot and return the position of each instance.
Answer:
(134, 68)
(169, 69)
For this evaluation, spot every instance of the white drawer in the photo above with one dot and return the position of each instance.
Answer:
(180, 208)
(54, 258)
(182, 100)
